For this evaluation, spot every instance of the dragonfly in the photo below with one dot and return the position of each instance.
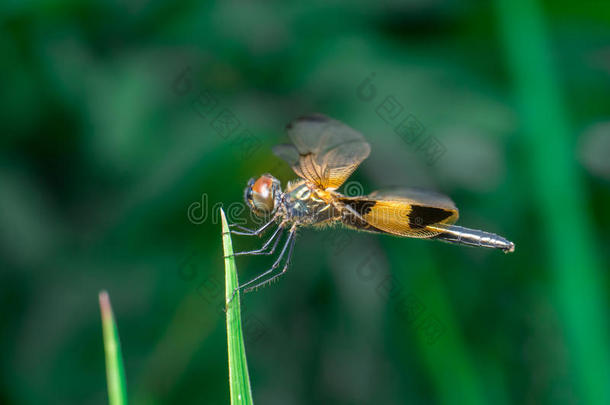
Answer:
(324, 152)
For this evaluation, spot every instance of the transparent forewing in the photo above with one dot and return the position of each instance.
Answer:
(416, 196)
(287, 152)
(404, 212)
(323, 151)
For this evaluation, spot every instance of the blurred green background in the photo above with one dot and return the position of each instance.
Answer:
(110, 139)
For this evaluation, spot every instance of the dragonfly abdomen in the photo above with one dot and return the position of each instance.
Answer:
(473, 237)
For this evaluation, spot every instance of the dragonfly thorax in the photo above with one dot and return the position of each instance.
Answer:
(302, 204)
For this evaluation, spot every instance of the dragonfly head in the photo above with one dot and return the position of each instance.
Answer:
(262, 195)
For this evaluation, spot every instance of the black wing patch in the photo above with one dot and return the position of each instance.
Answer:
(421, 216)
(362, 207)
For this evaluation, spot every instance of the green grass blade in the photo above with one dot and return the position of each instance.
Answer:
(115, 374)
(239, 379)
(575, 269)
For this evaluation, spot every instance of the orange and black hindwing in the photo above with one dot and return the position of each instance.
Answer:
(396, 216)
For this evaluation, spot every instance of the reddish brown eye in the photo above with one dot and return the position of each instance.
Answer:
(262, 194)
(263, 186)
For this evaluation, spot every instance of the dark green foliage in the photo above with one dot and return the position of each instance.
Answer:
(126, 124)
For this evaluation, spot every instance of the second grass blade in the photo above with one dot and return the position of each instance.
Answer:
(115, 374)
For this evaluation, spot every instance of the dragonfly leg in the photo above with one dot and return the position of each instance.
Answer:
(270, 279)
(251, 232)
(242, 228)
(277, 235)
(289, 242)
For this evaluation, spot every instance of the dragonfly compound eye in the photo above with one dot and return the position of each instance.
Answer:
(262, 194)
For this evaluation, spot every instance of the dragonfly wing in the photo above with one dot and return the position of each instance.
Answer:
(403, 212)
(324, 151)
